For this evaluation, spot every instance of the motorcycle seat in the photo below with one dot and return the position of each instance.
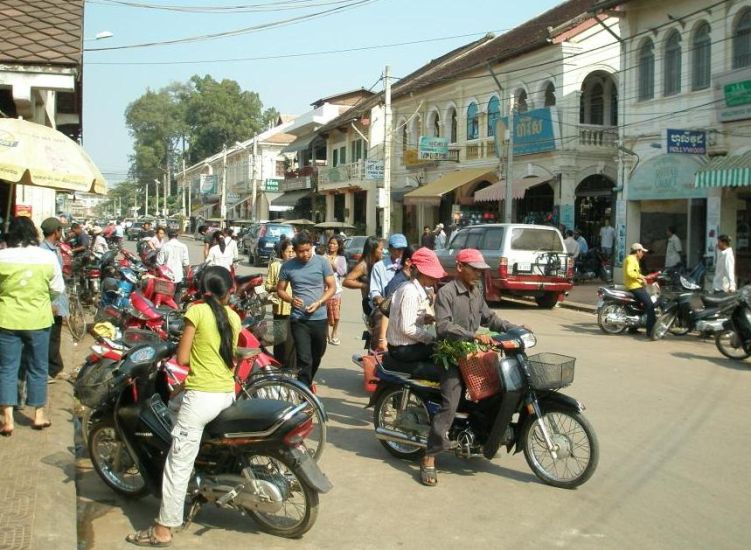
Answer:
(718, 301)
(247, 416)
(243, 279)
(423, 370)
(619, 294)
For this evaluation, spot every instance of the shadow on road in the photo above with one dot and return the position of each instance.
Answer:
(717, 360)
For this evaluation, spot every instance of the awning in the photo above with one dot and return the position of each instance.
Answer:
(497, 191)
(289, 198)
(271, 196)
(728, 171)
(300, 144)
(432, 192)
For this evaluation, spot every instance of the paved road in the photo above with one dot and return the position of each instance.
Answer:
(672, 421)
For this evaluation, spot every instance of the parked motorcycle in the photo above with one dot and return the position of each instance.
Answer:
(734, 341)
(592, 265)
(252, 457)
(617, 309)
(528, 415)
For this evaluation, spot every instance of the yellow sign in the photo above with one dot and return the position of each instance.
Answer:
(411, 158)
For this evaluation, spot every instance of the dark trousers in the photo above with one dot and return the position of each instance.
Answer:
(310, 344)
(642, 295)
(411, 353)
(451, 394)
(55, 358)
(285, 351)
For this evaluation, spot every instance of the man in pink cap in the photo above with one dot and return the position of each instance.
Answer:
(460, 310)
(408, 338)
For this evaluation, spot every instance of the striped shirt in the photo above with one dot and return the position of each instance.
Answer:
(409, 305)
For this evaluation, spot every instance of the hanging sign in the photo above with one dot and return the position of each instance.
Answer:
(687, 142)
(433, 148)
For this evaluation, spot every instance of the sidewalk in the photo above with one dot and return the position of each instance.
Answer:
(39, 473)
(582, 297)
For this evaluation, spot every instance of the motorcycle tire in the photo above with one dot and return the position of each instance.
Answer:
(547, 300)
(119, 470)
(565, 472)
(77, 318)
(386, 415)
(679, 328)
(605, 326)
(729, 344)
(663, 324)
(283, 472)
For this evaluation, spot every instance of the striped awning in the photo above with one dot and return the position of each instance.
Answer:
(728, 171)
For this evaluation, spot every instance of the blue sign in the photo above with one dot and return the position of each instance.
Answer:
(687, 142)
(534, 131)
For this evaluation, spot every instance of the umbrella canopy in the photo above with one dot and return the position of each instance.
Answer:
(334, 225)
(301, 221)
(32, 154)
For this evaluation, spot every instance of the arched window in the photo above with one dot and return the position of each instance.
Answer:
(494, 113)
(521, 101)
(742, 41)
(473, 121)
(550, 95)
(597, 104)
(436, 124)
(418, 129)
(405, 139)
(613, 104)
(452, 117)
(672, 84)
(701, 58)
(647, 71)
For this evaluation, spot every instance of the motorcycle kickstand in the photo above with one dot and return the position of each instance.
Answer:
(195, 507)
(548, 442)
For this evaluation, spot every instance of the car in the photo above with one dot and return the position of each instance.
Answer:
(525, 260)
(259, 241)
(133, 233)
(353, 249)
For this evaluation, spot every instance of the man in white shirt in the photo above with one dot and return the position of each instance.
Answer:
(607, 238)
(572, 247)
(724, 274)
(174, 255)
(673, 248)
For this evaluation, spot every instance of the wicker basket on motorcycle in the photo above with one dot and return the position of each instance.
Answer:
(550, 371)
(271, 332)
(164, 287)
(480, 374)
(93, 385)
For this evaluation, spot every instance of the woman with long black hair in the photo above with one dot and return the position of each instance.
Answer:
(207, 347)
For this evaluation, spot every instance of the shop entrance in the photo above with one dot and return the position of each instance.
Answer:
(593, 205)
(688, 217)
(537, 204)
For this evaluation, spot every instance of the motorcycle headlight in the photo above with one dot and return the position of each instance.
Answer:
(529, 340)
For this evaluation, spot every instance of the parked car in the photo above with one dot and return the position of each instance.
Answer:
(525, 260)
(353, 249)
(133, 233)
(259, 241)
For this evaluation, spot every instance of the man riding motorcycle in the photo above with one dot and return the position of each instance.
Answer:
(636, 283)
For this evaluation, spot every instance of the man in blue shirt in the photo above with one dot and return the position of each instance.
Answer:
(384, 271)
(583, 246)
(312, 283)
(52, 230)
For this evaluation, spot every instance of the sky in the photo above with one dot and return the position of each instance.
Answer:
(113, 78)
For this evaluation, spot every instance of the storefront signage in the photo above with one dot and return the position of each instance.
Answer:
(22, 210)
(271, 185)
(737, 93)
(433, 148)
(535, 131)
(687, 142)
(373, 169)
(208, 184)
(733, 95)
(666, 177)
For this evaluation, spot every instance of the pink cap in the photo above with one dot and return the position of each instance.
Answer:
(472, 257)
(427, 263)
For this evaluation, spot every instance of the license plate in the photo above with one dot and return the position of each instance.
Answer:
(269, 245)
(523, 267)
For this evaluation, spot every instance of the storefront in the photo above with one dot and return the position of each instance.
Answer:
(593, 206)
(533, 200)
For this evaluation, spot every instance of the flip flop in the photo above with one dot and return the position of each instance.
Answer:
(6, 433)
(41, 426)
(146, 537)
(428, 475)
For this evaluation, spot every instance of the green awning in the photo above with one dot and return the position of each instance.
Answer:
(728, 171)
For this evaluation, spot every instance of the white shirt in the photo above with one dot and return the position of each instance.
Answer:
(409, 305)
(724, 274)
(156, 243)
(174, 255)
(217, 257)
(100, 246)
(607, 236)
(572, 247)
(673, 251)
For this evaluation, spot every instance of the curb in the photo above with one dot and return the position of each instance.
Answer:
(576, 306)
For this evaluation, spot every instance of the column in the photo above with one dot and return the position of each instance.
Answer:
(349, 207)
(371, 203)
(329, 207)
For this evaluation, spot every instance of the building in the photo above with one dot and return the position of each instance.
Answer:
(40, 80)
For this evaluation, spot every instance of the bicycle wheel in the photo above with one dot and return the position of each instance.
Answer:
(77, 318)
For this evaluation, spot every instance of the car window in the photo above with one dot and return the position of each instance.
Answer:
(279, 230)
(474, 238)
(523, 238)
(458, 241)
(493, 239)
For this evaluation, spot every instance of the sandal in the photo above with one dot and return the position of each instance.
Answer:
(41, 426)
(428, 475)
(334, 341)
(146, 537)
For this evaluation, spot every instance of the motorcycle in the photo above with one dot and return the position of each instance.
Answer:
(592, 265)
(251, 459)
(734, 340)
(529, 414)
(617, 309)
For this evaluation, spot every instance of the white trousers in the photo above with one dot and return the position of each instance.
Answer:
(198, 409)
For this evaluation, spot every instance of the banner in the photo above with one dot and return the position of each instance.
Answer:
(208, 184)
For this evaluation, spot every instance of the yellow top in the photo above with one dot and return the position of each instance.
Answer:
(208, 372)
(631, 273)
(272, 278)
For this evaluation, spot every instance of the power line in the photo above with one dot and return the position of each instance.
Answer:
(223, 10)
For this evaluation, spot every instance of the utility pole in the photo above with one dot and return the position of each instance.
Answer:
(223, 199)
(157, 183)
(386, 229)
(510, 163)
(166, 192)
(146, 210)
(255, 179)
(183, 211)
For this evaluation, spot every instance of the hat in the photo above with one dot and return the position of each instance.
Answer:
(426, 262)
(50, 225)
(397, 240)
(472, 257)
(96, 230)
(638, 246)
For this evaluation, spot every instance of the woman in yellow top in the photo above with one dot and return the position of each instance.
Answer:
(635, 282)
(284, 352)
(207, 347)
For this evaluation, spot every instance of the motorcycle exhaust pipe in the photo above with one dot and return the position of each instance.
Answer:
(384, 434)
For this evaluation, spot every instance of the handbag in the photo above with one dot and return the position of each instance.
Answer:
(385, 306)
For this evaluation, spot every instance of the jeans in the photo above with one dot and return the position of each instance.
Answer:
(197, 409)
(411, 353)
(34, 344)
(643, 296)
(451, 394)
(55, 357)
(310, 343)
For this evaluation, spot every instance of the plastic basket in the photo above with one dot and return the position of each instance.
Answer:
(94, 385)
(271, 332)
(550, 371)
(480, 374)
(370, 363)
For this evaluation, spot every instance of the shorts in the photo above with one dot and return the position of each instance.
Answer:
(333, 308)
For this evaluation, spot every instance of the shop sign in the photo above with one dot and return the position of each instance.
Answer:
(208, 184)
(433, 148)
(22, 210)
(733, 95)
(687, 142)
(737, 93)
(373, 169)
(535, 131)
(666, 177)
(271, 185)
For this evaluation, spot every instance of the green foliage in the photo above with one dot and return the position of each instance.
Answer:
(448, 352)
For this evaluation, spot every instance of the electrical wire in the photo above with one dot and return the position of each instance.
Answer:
(223, 10)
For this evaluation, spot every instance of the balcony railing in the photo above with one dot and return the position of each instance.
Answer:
(342, 173)
(591, 135)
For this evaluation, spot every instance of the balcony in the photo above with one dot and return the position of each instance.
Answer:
(344, 175)
(299, 180)
(598, 137)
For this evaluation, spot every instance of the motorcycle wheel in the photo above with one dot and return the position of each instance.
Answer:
(386, 415)
(729, 344)
(300, 509)
(606, 326)
(679, 328)
(112, 461)
(576, 443)
(283, 390)
(76, 319)
(663, 325)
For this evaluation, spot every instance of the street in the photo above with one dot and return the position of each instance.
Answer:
(672, 422)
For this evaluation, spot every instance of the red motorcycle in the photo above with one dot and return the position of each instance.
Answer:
(158, 285)
(249, 297)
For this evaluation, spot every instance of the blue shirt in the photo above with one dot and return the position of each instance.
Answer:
(61, 302)
(583, 246)
(308, 283)
(395, 282)
(381, 275)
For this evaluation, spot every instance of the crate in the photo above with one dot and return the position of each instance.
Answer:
(480, 374)
(550, 371)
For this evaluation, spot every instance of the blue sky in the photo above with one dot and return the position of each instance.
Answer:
(289, 84)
